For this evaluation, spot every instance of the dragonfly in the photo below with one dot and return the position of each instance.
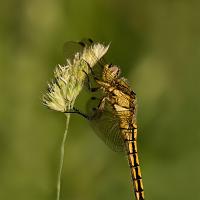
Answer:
(112, 114)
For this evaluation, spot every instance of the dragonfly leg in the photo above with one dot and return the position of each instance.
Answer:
(96, 109)
(91, 70)
(75, 110)
(102, 103)
(89, 86)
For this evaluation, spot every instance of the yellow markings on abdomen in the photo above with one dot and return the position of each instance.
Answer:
(131, 148)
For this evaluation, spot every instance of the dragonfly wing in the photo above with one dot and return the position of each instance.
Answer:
(70, 48)
(106, 125)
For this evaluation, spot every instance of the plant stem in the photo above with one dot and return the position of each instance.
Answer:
(62, 154)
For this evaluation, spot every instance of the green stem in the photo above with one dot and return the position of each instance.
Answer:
(62, 154)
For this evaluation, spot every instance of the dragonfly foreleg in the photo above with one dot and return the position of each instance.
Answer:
(96, 106)
(89, 85)
(90, 68)
(102, 103)
(75, 110)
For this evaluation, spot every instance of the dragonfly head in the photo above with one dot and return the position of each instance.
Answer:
(111, 72)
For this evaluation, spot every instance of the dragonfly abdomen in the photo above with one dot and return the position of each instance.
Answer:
(131, 148)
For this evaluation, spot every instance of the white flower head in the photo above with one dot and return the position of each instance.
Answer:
(69, 79)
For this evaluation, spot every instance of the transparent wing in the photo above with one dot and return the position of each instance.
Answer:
(70, 48)
(106, 124)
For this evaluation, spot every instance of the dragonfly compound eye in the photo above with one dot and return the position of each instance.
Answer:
(115, 70)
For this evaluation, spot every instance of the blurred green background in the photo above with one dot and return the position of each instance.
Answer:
(157, 45)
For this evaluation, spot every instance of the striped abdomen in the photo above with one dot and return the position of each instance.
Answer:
(130, 137)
